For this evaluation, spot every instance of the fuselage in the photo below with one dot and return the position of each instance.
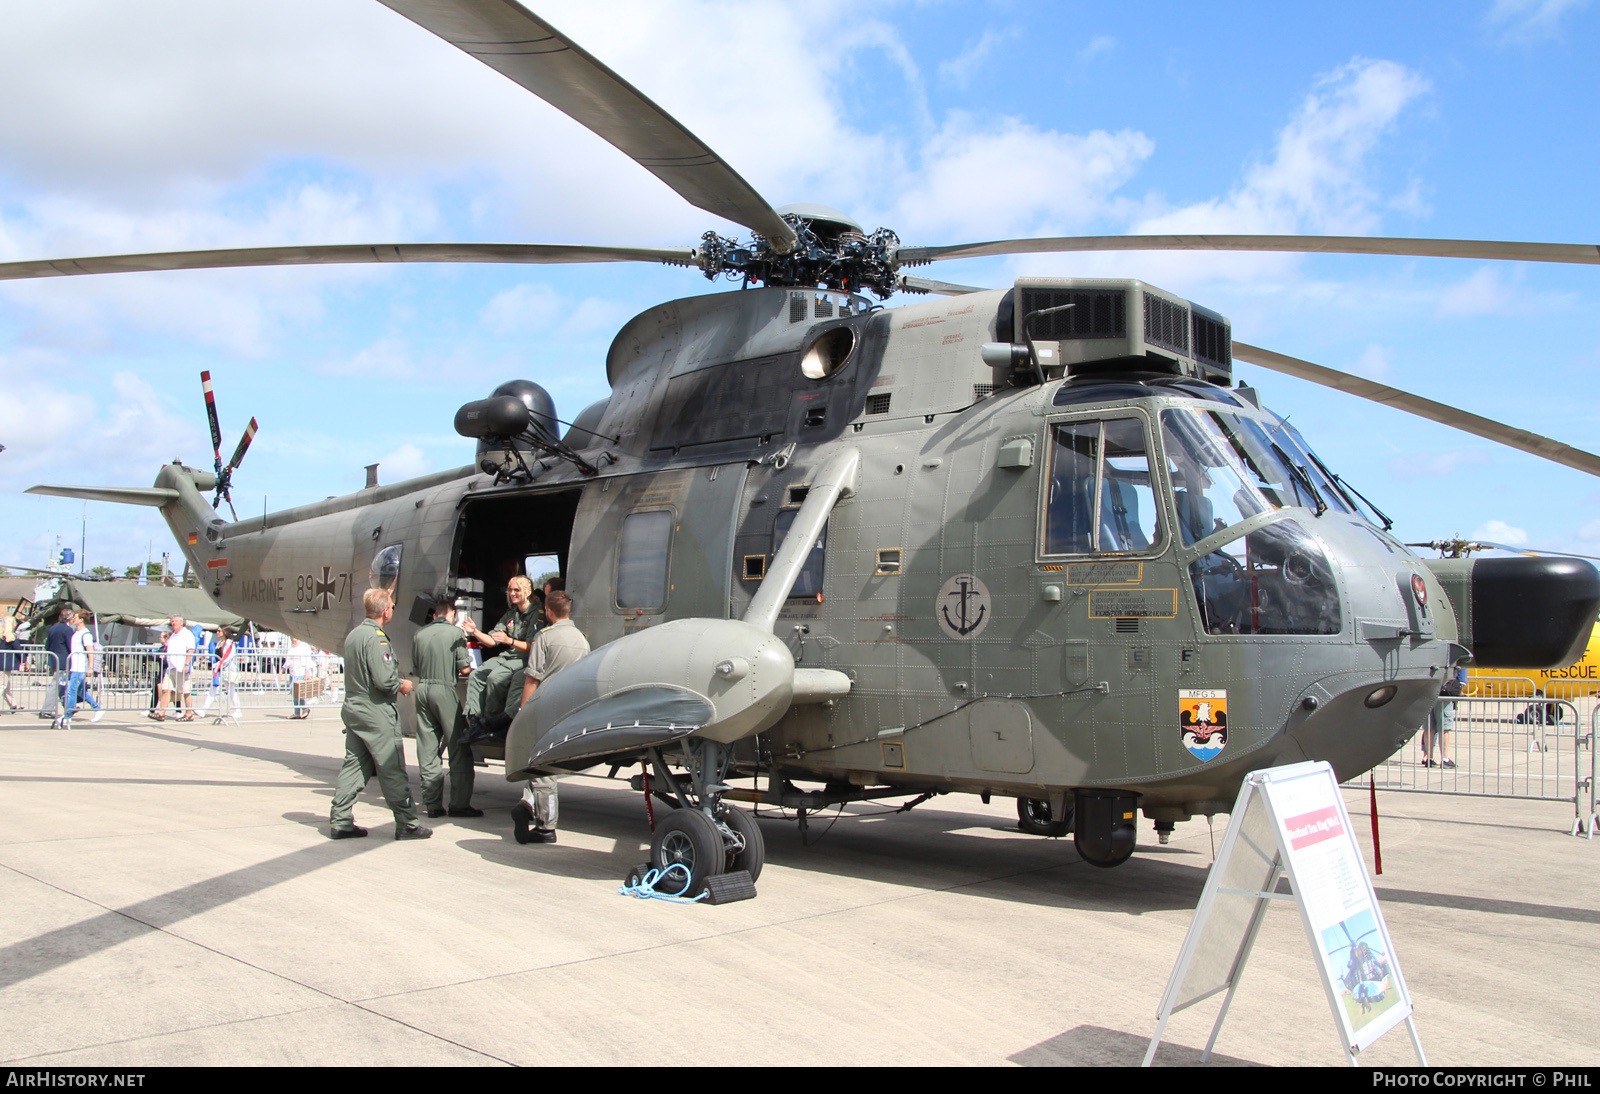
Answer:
(1031, 588)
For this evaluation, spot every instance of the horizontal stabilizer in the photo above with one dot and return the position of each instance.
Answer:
(640, 717)
(125, 495)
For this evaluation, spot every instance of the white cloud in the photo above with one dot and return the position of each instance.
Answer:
(1432, 465)
(406, 462)
(50, 426)
(1053, 181)
(1481, 293)
(1492, 290)
(960, 69)
(1099, 44)
(1318, 179)
(525, 307)
(1373, 363)
(1526, 21)
(387, 358)
(1501, 532)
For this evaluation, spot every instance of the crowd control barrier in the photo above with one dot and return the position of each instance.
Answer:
(1530, 746)
(126, 678)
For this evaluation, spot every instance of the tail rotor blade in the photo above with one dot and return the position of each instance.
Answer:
(211, 413)
(244, 443)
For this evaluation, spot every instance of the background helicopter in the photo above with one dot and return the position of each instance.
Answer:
(875, 269)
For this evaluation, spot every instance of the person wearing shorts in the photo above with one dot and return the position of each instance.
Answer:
(176, 664)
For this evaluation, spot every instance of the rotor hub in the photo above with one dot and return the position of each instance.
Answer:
(831, 252)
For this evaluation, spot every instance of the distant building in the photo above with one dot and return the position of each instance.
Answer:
(14, 590)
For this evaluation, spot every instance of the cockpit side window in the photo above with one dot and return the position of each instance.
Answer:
(1100, 499)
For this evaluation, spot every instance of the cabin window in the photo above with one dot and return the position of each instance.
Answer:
(642, 552)
(1100, 498)
(1276, 580)
(809, 584)
(385, 572)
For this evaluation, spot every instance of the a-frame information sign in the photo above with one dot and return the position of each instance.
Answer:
(1290, 822)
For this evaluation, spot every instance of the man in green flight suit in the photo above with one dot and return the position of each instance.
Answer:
(439, 655)
(492, 681)
(372, 741)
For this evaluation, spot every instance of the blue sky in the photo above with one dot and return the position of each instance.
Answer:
(181, 125)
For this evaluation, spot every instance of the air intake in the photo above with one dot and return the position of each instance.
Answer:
(1166, 324)
(1109, 326)
(1213, 345)
(1094, 313)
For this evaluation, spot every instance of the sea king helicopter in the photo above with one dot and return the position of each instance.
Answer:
(1026, 542)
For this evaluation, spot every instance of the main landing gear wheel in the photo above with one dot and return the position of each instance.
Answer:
(687, 838)
(754, 855)
(1035, 818)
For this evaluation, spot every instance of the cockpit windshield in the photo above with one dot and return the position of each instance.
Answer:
(1337, 494)
(1213, 486)
(1226, 467)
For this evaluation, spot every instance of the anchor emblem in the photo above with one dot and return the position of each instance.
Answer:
(963, 606)
(965, 594)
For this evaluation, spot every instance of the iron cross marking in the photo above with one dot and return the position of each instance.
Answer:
(326, 588)
(965, 592)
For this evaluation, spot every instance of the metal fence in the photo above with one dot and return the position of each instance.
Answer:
(1532, 746)
(262, 680)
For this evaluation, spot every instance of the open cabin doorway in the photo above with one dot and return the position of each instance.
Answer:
(501, 536)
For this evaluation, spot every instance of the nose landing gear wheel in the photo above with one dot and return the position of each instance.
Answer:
(754, 855)
(1034, 816)
(687, 838)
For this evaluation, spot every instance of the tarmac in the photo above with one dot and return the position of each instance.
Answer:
(172, 898)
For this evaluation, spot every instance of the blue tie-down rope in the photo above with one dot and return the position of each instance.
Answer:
(646, 887)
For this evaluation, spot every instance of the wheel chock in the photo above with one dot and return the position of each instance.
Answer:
(727, 888)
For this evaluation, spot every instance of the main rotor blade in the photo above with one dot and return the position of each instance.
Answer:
(211, 414)
(533, 54)
(1360, 245)
(1534, 552)
(1469, 545)
(1424, 408)
(244, 443)
(343, 253)
(942, 288)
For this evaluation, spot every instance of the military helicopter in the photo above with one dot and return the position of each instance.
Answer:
(1026, 541)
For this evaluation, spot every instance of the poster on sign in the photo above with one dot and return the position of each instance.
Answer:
(1289, 824)
(1340, 910)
